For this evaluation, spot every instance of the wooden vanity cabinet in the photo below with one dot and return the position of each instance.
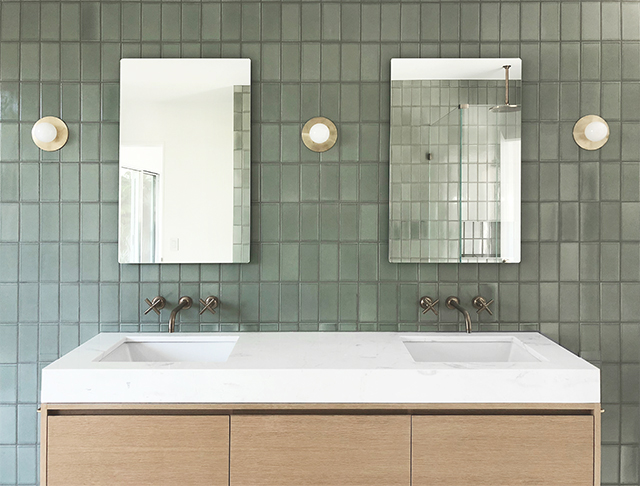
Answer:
(320, 445)
(137, 450)
(503, 450)
(320, 450)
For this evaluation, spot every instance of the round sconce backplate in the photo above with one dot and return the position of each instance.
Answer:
(579, 132)
(61, 137)
(324, 146)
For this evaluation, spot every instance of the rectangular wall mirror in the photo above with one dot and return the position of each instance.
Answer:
(454, 192)
(185, 137)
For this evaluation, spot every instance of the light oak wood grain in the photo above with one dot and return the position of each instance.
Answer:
(312, 450)
(132, 450)
(494, 450)
(357, 407)
(339, 425)
(597, 438)
(43, 443)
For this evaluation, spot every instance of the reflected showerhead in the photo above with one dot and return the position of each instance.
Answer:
(507, 107)
(504, 109)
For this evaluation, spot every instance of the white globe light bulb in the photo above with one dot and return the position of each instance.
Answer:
(596, 131)
(319, 133)
(45, 132)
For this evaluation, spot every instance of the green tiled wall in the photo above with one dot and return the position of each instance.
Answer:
(319, 222)
(423, 193)
(241, 173)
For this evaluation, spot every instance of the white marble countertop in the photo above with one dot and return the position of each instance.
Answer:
(315, 367)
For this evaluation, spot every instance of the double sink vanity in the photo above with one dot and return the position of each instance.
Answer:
(320, 409)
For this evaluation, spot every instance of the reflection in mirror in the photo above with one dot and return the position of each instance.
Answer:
(455, 161)
(184, 160)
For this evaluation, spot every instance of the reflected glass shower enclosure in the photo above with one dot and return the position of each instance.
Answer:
(455, 161)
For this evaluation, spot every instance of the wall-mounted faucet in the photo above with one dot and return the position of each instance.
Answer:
(454, 303)
(155, 305)
(184, 303)
(210, 304)
(481, 304)
(428, 304)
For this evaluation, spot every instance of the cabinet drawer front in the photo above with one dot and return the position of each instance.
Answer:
(138, 450)
(503, 450)
(307, 450)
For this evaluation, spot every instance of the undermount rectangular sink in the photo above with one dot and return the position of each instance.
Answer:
(171, 351)
(469, 349)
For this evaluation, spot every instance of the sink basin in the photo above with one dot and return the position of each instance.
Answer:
(470, 349)
(211, 350)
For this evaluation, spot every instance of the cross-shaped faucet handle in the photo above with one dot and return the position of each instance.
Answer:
(481, 304)
(428, 305)
(210, 303)
(155, 305)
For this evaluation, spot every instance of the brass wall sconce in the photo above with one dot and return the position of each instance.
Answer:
(591, 132)
(50, 133)
(319, 134)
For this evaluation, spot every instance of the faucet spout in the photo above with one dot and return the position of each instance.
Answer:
(454, 303)
(184, 303)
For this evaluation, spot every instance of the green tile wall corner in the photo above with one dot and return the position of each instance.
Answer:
(319, 254)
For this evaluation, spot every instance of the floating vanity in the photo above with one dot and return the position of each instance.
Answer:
(321, 409)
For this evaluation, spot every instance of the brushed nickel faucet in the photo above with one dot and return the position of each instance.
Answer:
(428, 304)
(210, 304)
(184, 303)
(454, 303)
(481, 304)
(155, 305)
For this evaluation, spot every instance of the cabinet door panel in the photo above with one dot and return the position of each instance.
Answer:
(503, 450)
(307, 450)
(137, 450)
